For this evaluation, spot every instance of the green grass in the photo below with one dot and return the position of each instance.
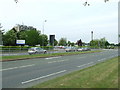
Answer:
(102, 75)
(43, 55)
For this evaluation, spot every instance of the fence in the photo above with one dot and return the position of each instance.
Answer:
(5, 49)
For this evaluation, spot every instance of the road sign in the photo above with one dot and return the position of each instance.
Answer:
(20, 42)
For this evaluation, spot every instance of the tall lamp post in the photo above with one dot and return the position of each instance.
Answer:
(43, 32)
(91, 35)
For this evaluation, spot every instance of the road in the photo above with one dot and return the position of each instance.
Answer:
(26, 73)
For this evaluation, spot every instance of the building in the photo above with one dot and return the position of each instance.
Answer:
(19, 27)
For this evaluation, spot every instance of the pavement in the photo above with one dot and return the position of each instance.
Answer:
(26, 73)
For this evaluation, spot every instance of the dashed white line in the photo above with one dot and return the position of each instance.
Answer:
(17, 67)
(90, 63)
(8, 68)
(26, 66)
(53, 57)
(82, 65)
(85, 64)
(43, 76)
(58, 61)
(102, 59)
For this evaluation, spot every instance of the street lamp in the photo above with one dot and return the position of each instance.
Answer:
(43, 32)
(43, 25)
(91, 35)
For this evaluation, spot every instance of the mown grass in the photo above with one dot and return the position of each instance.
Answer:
(43, 55)
(102, 75)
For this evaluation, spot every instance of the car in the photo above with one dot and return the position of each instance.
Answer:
(36, 50)
(69, 49)
(80, 49)
(86, 49)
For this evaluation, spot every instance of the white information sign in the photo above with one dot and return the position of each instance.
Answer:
(20, 42)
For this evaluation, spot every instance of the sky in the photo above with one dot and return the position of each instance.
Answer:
(68, 19)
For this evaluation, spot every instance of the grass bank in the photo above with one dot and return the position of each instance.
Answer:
(7, 58)
(102, 75)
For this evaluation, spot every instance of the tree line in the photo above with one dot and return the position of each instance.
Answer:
(34, 37)
(31, 37)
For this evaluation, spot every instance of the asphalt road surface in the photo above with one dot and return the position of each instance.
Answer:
(26, 73)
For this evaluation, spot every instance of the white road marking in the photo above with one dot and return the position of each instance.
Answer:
(102, 59)
(8, 68)
(58, 61)
(90, 63)
(53, 57)
(107, 58)
(26, 66)
(17, 67)
(43, 77)
(85, 64)
(82, 65)
(80, 57)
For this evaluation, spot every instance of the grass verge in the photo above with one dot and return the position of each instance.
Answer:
(102, 75)
(7, 58)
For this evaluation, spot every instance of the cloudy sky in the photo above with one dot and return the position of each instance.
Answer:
(65, 18)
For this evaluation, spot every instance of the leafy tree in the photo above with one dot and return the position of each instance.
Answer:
(43, 40)
(72, 44)
(63, 42)
(69, 43)
(31, 37)
(55, 42)
(99, 43)
(95, 43)
(10, 38)
(1, 30)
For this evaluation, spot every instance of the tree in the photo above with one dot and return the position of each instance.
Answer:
(63, 42)
(55, 42)
(1, 35)
(72, 44)
(99, 43)
(1, 30)
(43, 40)
(9, 38)
(95, 43)
(31, 37)
(69, 43)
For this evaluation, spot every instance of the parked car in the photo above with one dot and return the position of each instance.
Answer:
(83, 49)
(86, 49)
(69, 49)
(80, 49)
(36, 50)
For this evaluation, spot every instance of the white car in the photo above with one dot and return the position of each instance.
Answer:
(80, 49)
(69, 49)
(36, 50)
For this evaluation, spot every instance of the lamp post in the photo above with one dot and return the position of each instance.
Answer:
(43, 32)
(91, 35)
